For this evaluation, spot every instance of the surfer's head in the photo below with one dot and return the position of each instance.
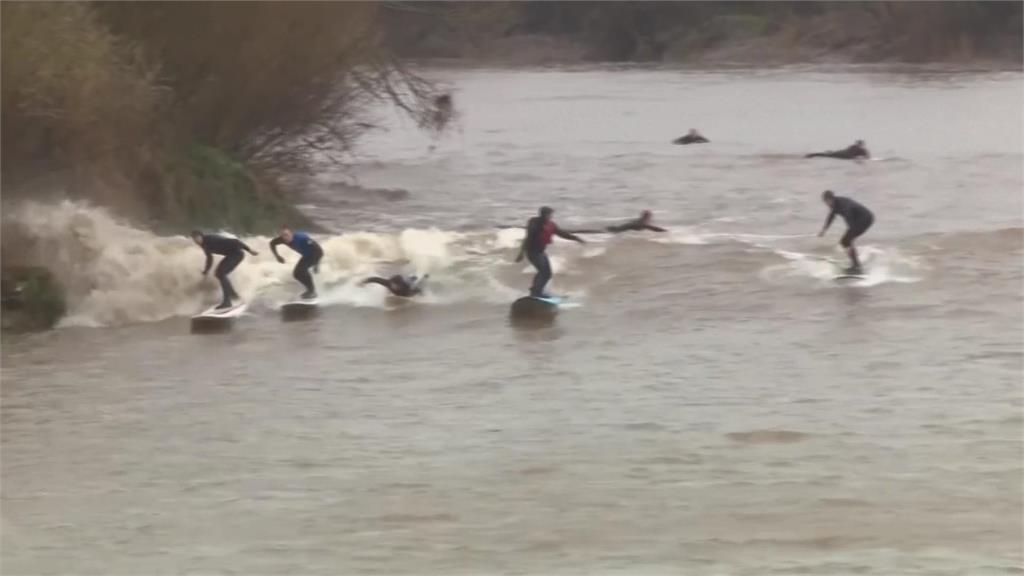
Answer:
(546, 212)
(859, 143)
(828, 197)
(693, 132)
(197, 236)
(646, 216)
(286, 234)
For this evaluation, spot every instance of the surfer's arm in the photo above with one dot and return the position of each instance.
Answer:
(246, 248)
(654, 228)
(568, 235)
(522, 248)
(828, 222)
(273, 248)
(209, 261)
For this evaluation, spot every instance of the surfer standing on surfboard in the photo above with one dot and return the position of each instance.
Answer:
(858, 220)
(310, 251)
(231, 250)
(540, 230)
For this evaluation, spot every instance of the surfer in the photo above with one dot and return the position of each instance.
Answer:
(231, 250)
(858, 220)
(692, 137)
(399, 285)
(637, 224)
(856, 151)
(540, 230)
(310, 251)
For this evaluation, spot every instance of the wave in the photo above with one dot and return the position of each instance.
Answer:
(115, 273)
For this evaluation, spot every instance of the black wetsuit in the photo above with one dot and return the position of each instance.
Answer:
(311, 254)
(637, 225)
(397, 284)
(231, 249)
(691, 139)
(849, 153)
(858, 218)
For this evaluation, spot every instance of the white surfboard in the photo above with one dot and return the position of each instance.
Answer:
(301, 304)
(225, 313)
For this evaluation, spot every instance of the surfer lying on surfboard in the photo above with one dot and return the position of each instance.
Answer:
(638, 224)
(399, 285)
(231, 250)
(858, 220)
(310, 251)
(855, 151)
(540, 230)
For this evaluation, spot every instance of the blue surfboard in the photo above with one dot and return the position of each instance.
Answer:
(553, 300)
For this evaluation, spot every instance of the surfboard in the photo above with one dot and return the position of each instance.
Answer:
(300, 309)
(850, 277)
(533, 307)
(222, 314)
(214, 320)
(553, 300)
(301, 304)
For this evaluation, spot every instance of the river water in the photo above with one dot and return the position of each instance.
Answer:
(711, 403)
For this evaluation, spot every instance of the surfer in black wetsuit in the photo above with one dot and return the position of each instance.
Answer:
(311, 254)
(540, 230)
(692, 137)
(856, 151)
(231, 249)
(638, 224)
(858, 220)
(399, 285)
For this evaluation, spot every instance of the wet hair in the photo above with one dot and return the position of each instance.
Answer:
(546, 210)
(646, 214)
(195, 233)
(828, 195)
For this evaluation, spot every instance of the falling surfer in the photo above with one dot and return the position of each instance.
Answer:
(399, 285)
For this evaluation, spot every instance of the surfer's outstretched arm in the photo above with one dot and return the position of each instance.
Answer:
(568, 235)
(654, 228)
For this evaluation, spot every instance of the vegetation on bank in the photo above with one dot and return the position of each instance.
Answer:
(749, 32)
(191, 112)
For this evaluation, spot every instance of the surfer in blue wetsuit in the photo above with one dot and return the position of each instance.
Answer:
(231, 249)
(540, 231)
(858, 220)
(404, 286)
(310, 251)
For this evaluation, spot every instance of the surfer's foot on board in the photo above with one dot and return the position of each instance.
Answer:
(308, 295)
(224, 305)
(853, 270)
